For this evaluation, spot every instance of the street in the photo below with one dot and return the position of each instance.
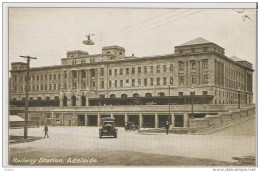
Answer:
(83, 144)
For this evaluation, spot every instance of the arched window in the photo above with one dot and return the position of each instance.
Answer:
(161, 94)
(112, 96)
(73, 100)
(136, 95)
(83, 100)
(124, 95)
(148, 95)
(39, 98)
(48, 98)
(31, 98)
(56, 98)
(65, 101)
(108, 52)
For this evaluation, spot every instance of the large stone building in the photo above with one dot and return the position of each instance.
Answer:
(147, 90)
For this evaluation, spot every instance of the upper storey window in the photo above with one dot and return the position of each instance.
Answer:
(181, 51)
(193, 65)
(205, 49)
(205, 63)
(120, 53)
(108, 53)
(181, 65)
(193, 50)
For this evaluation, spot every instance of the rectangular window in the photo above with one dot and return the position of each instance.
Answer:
(205, 93)
(193, 65)
(164, 68)
(110, 84)
(37, 87)
(93, 84)
(158, 81)
(41, 87)
(139, 70)
(127, 82)
(59, 76)
(41, 77)
(193, 50)
(139, 82)
(151, 69)
(110, 72)
(205, 63)
(205, 79)
(181, 80)
(33, 87)
(181, 65)
(115, 83)
(158, 69)
(50, 87)
(49, 77)
(74, 85)
(133, 70)
(54, 76)
(102, 71)
(37, 77)
(151, 80)
(164, 80)
(21, 88)
(83, 73)
(133, 82)
(205, 49)
(171, 80)
(58, 86)
(65, 75)
(171, 67)
(33, 78)
(15, 88)
(21, 78)
(127, 71)
(121, 71)
(145, 69)
(45, 77)
(65, 85)
(145, 81)
(102, 84)
(121, 83)
(180, 93)
(15, 78)
(181, 51)
(115, 72)
(54, 86)
(193, 79)
(84, 85)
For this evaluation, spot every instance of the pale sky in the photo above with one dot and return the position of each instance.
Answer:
(48, 33)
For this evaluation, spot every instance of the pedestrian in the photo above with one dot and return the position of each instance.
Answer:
(167, 126)
(46, 131)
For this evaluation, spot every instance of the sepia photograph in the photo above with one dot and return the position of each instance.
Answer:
(130, 85)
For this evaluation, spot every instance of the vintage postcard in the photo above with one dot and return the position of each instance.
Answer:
(130, 84)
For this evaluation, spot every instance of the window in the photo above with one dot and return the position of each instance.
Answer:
(41, 87)
(58, 86)
(139, 82)
(110, 84)
(181, 80)
(49, 77)
(180, 93)
(83, 74)
(54, 86)
(145, 81)
(158, 69)
(133, 82)
(33, 78)
(164, 80)
(133, 70)
(181, 65)
(151, 69)
(115, 83)
(21, 78)
(59, 76)
(193, 79)
(84, 85)
(121, 71)
(205, 49)
(151, 80)
(102, 71)
(164, 68)
(181, 51)
(33, 87)
(21, 88)
(41, 77)
(15, 78)
(37, 77)
(205, 79)
(127, 71)
(93, 84)
(193, 63)
(171, 67)
(127, 82)
(205, 93)
(101, 84)
(193, 50)
(50, 87)
(45, 77)
(37, 88)
(110, 72)
(54, 76)
(158, 81)
(74, 85)
(121, 83)
(65, 75)
(15, 88)
(171, 80)
(145, 69)
(205, 63)
(139, 70)
(115, 72)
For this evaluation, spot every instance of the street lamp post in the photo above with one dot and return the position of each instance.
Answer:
(192, 92)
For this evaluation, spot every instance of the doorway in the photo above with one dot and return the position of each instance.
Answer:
(148, 121)
(179, 120)
(81, 120)
(92, 120)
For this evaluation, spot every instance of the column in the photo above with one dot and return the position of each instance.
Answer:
(126, 117)
(140, 120)
(86, 119)
(186, 120)
(156, 120)
(99, 120)
(62, 121)
(173, 120)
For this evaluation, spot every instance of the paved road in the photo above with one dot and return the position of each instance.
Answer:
(66, 141)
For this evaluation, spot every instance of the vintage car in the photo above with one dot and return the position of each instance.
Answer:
(131, 126)
(108, 127)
